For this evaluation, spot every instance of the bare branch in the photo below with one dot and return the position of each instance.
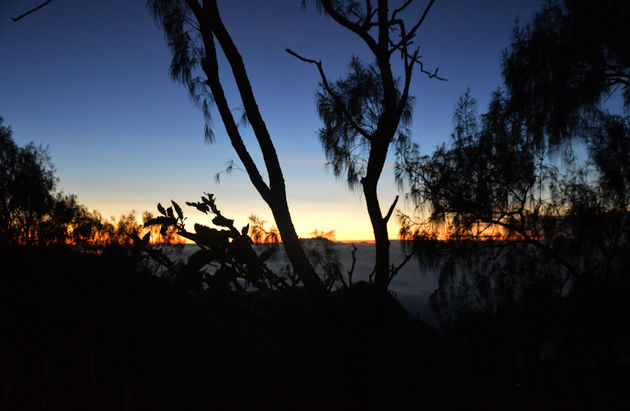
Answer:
(361, 30)
(415, 28)
(33, 10)
(358, 16)
(407, 37)
(433, 74)
(391, 210)
(399, 9)
(408, 75)
(369, 15)
(329, 90)
(395, 270)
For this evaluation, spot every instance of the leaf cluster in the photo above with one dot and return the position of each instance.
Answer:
(226, 260)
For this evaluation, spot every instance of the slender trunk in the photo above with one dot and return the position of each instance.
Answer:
(393, 103)
(274, 194)
(295, 252)
(381, 237)
(384, 135)
(376, 162)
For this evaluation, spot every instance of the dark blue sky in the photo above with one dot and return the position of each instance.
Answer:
(90, 80)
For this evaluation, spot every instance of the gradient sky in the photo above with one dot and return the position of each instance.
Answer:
(90, 80)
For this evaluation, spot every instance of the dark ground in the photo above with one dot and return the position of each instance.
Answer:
(92, 332)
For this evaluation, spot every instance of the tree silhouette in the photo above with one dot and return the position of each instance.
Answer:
(555, 222)
(228, 253)
(193, 30)
(33, 214)
(26, 185)
(366, 112)
(232, 260)
(573, 56)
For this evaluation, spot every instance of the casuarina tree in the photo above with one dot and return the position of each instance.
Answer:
(195, 33)
(369, 110)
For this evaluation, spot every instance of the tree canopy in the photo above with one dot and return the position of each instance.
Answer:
(370, 109)
(26, 184)
(573, 56)
(556, 220)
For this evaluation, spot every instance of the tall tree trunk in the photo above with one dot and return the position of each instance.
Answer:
(295, 252)
(363, 18)
(381, 237)
(274, 194)
(376, 162)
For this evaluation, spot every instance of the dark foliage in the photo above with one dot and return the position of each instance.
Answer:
(32, 213)
(26, 184)
(228, 261)
(369, 110)
(574, 55)
(555, 222)
(532, 316)
(351, 114)
(534, 270)
(196, 33)
(228, 253)
(515, 220)
(88, 331)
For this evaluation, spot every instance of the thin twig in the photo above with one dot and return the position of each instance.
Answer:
(329, 90)
(33, 10)
(395, 271)
(415, 28)
(401, 8)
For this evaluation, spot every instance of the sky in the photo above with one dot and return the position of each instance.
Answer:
(90, 80)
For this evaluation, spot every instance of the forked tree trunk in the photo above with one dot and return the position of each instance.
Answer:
(274, 194)
(381, 237)
(376, 162)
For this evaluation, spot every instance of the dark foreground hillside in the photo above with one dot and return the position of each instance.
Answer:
(92, 332)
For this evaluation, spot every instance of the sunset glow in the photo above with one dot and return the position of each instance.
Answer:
(141, 141)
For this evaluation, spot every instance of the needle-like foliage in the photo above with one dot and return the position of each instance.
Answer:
(351, 120)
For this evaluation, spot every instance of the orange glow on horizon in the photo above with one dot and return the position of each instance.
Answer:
(348, 228)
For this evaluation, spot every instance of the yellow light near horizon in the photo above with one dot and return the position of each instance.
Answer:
(348, 227)
(346, 230)
(348, 219)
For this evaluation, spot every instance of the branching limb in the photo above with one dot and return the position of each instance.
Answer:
(415, 28)
(33, 10)
(369, 14)
(334, 95)
(406, 39)
(212, 71)
(361, 30)
(408, 76)
(395, 270)
(210, 16)
(399, 9)
(430, 74)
